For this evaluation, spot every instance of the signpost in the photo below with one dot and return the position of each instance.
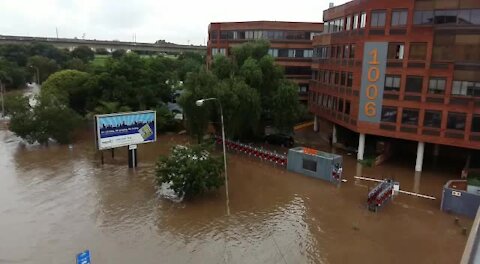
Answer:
(83, 257)
(125, 129)
(373, 81)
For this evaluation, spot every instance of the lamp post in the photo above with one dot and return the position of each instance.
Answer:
(1, 95)
(200, 103)
(38, 73)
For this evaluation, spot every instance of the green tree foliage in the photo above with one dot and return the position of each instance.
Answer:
(190, 171)
(76, 64)
(253, 91)
(17, 54)
(199, 85)
(44, 65)
(102, 51)
(117, 54)
(84, 53)
(60, 56)
(11, 75)
(72, 88)
(48, 119)
(286, 109)
(110, 107)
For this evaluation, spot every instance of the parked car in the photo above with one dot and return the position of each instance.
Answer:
(280, 139)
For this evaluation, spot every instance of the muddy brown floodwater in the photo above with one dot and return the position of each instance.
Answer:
(57, 201)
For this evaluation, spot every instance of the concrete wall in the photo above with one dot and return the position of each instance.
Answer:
(459, 202)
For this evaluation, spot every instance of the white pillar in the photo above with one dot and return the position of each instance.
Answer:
(315, 124)
(334, 134)
(416, 182)
(420, 150)
(361, 146)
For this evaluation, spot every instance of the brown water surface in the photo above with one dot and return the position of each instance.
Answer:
(57, 201)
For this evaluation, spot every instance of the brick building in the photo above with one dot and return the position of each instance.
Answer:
(403, 69)
(291, 45)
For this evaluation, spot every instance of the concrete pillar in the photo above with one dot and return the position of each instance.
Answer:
(334, 134)
(361, 146)
(436, 150)
(420, 151)
(315, 124)
(416, 182)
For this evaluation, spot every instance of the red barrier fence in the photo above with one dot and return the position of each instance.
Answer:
(260, 153)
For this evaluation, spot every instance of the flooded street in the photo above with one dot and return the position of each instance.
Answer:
(57, 201)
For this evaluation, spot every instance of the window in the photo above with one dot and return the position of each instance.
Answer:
(389, 114)
(291, 53)
(399, 17)
(298, 71)
(216, 51)
(466, 88)
(377, 19)
(433, 119)
(396, 51)
(333, 52)
(392, 83)
(332, 77)
(418, 51)
(248, 34)
(423, 17)
(273, 52)
(355, 21)
(436, 86)
(410, 117)
(476, 123)
(339, 52)
(283, 53)
(213, 35)
(347, 107)
(349, 79)
(363, 19)
(326, 76)
(456, 121)
(307, 53)
(343, 79)
(337, 78)
(309, 165)
(303, 88)
(346, 51)
(414, 84)
(340, 105)
(352, 51)
(348, 24)
(445, 17)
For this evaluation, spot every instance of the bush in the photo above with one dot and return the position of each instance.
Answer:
(190, 171)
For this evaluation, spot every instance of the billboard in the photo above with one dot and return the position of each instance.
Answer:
(373, 81)
(124, 129)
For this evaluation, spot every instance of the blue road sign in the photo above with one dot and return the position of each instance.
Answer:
(84, 257)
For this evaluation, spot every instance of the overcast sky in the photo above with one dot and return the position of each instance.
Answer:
(179, 21)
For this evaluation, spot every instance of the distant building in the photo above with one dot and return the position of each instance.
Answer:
(291, 44)
(400, 69)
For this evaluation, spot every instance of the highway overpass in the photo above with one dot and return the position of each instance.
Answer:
(110, 45)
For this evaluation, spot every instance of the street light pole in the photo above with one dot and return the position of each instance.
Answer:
(1, 94)
(200, 103)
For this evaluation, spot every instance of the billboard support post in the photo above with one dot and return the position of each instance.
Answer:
(103, 162)
(132, 156)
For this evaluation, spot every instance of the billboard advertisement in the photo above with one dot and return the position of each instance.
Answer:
(124, 129)
(373, 81)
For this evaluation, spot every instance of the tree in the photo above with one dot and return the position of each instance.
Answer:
(49, 51)
(75, 64)
(286, 109)
(48, 119)
(110, 108)
(17, 54)
(84, 53)
(102, 51)
(44, 65)
(72, 88)
(116, 54)
(12, 75)
(190, 171)
(199, 85)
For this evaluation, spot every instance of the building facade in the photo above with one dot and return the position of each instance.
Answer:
(404, 69)
(291, 45)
